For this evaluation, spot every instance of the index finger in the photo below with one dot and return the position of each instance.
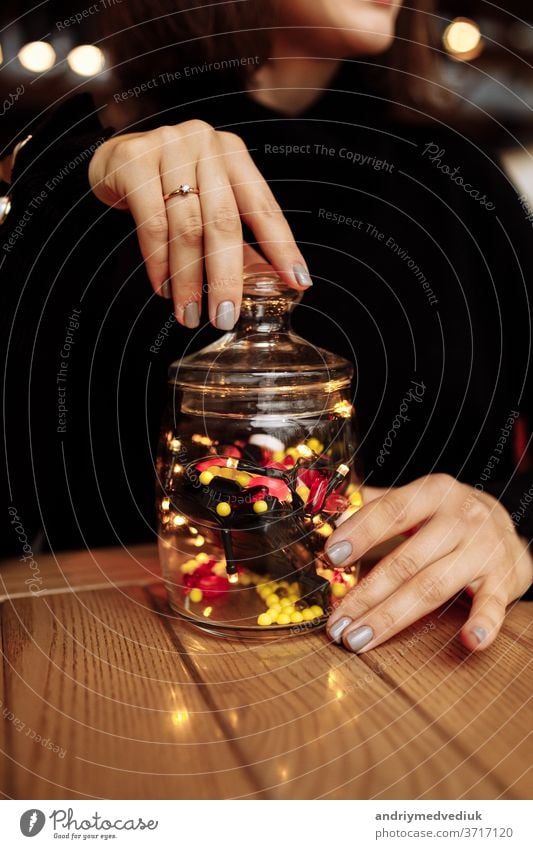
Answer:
(262, 213)
(387, 516)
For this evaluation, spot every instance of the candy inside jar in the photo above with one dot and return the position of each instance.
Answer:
(257, 466)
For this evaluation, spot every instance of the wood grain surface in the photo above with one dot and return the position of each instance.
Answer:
(105, 694)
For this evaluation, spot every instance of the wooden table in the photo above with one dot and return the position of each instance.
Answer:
(130, 702)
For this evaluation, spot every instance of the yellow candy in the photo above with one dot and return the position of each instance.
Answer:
(202, 557)
(196, 594)
(294, 587)
(245, 579)
(315, 445)
(219, 569)
(317, 610)
(206, 478)
(260, 506)
(278, 456)
(284, 602)
(274, 610)
(303, 492)
(308, 614)
(296, 617)
(223, 509)
(293, 452)
(242, 478)
(289, 609)
(356, 499)
(283, 619)
(222, 472)
(264, 619)
(271, 600)
(293, 598)
(339, 590)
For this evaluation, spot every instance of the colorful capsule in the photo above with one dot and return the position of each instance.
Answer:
(260, 506)
(223, 509)
(206, 478)
(339, 589)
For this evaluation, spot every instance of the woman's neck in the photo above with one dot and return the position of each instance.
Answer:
(291, 84)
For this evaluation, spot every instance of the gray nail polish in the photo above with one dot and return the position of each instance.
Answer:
(335, 632)
(191, 315)
(166, 290)
(303, 278)
(225, 319)
(359, 638)
(339, 552)
(479, 633)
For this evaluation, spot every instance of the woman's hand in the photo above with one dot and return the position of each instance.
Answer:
(178, 237)
(466, 540)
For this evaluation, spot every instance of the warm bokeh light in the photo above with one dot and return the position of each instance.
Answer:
(179, 717)
(462, 39)
(37, 56)
(86, 60)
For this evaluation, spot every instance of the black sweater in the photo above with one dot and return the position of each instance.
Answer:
(421, 256)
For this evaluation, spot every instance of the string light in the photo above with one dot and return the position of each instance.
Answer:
(37, 56)
(87, 60)
(179, 520)
(462, 39)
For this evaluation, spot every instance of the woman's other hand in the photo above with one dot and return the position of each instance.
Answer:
(187, 233)
(465, 540)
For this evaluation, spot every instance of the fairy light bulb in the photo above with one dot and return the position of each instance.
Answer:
(37, 56)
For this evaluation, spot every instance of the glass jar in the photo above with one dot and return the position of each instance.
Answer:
(256, 467)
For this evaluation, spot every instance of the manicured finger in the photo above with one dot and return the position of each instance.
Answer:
(486, 615)
(147, 207)
(421, 595)
(396, 512)
(185, 230)
(433, 541)
(262, 213)
(223, 242)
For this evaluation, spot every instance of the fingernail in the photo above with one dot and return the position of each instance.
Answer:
(225, 319)
(479, 633)
(303, 278)
(359, 638)
(335, 632)
(191, 315)
(165, 290)
(339, 552)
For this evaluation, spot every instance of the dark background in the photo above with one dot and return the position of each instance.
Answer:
(499, 81)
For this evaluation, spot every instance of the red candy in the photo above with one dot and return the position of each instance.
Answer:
(212, 586)
(231, 451)
(275, 486)
(213, 461)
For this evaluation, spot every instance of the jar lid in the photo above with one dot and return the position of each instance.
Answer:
(262, 352)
